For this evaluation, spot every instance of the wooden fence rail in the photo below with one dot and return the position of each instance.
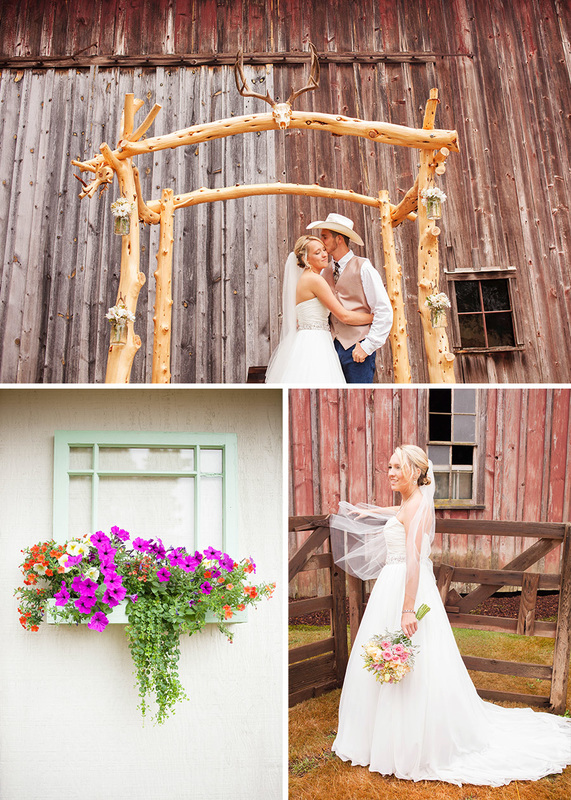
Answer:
(320, 666)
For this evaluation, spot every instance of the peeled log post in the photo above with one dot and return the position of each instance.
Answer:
(121, 355)
(398, 335)
(440, 360)
(163, 303)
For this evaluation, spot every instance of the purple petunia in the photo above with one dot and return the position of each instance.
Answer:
(177, 557)
(142, 545)
(62, 597)
(205, 587)
(106, 549)
(98, 621)
(133, 597)
(98, 538)
(163, 574)
(85, 603)
(113, 580)
(83, 585)
(158, 549)
(73, 561)
(190, 564)
(112, 597)
(120, 533)
(211, 553)
(226, 562)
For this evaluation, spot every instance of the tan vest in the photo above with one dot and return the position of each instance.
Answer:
(349, 291)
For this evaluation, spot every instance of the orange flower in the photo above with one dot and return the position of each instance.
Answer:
(207, 574)
(229, 586)
(251, 591)
(35, 628)
(241, 607)
(228, 614)
(221, 579)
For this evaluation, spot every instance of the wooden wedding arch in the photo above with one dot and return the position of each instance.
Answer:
(434, 147)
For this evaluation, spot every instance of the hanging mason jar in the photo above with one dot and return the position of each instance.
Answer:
(118, 333)
(122, 226)
(433, 208)
(438, 318)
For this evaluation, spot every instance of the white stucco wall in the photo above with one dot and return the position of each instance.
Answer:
(69, 726)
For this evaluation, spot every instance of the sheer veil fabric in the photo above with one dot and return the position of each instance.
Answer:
(282, 354)
(358, 544)
(432, 725)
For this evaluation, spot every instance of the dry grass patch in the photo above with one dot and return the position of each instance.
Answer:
(316, 774)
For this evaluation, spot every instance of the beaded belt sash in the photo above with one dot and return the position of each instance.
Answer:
(313, 326)
(401, 559)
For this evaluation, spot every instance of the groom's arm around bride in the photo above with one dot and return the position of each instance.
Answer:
(359, 287)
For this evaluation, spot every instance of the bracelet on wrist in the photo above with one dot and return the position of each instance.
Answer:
(408, 611)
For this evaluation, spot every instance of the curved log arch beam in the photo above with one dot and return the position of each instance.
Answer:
(376, 131)
(205, 195)
(121, 355)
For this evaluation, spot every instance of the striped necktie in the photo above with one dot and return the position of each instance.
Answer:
(335, 272)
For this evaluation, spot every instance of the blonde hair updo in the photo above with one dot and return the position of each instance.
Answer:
(411, 458)
(300, 249)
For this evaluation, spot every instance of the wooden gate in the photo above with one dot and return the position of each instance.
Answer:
(310, 676)
(320, 666)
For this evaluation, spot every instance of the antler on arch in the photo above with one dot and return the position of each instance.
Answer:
(244, 90)
(313, 80)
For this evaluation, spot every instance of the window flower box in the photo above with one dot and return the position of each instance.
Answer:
(118, 615)
(159, 593)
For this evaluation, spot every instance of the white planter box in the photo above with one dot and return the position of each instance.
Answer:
(118, 615)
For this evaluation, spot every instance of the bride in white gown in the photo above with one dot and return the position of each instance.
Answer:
(306, 353)
(432, 725)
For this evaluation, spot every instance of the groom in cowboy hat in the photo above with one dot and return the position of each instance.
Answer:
(359, 287)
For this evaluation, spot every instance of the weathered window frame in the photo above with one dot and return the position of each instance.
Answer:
(479, 450)
(64, 441)
(508, 274)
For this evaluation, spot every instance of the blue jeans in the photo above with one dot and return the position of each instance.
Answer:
(355, 372)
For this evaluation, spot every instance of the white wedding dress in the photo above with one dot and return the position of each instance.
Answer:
(308, 356)
(433, 725)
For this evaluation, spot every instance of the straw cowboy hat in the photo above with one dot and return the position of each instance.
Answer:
(339, 224)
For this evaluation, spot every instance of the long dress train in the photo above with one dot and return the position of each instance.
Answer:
(433, 725)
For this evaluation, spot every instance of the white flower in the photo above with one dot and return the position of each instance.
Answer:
(438, 301)
(92, 573)
(62, 561)
(40, 569)
(120, 314)
(122, 207)
(432, 193)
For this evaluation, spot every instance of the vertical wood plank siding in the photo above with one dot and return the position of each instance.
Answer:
(502, 71)
(526, 440)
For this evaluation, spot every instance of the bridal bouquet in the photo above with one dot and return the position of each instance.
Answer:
(391, 655)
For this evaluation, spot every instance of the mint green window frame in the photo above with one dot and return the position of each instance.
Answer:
(65, 441)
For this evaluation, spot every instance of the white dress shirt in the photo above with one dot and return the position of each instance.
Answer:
(378, 301)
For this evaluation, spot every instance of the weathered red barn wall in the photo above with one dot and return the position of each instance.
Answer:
(341, 441)
(502, 71)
